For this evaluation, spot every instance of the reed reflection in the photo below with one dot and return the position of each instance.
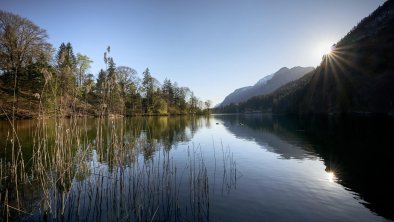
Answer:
(109, 169)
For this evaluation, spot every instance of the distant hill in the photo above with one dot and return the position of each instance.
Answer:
(266, 85)
(356, 77)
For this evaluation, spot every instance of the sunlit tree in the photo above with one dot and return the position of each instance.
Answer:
(83, 65)
(66, 68)
(22, 43)
(128, 82)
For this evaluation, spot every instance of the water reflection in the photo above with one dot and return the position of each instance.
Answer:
(167, 132)
(331, 177)
(270, 134)
(61, 169)
(357, 151)
(169, 168)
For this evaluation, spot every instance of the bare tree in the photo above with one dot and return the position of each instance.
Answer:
(21, 44)
(208, 104)
(127, 79)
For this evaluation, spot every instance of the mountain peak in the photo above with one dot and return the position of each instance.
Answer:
(267, 84)
(264, 80)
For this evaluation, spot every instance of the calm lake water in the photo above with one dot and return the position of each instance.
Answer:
(218, 168)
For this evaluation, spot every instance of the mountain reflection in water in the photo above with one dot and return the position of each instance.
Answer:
(218, 168)
(359, 150)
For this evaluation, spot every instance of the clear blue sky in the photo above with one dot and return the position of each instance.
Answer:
(211, 46)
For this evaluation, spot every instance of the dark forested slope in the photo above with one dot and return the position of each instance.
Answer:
(356, 77)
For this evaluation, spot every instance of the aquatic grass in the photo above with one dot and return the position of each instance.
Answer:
(119, 175)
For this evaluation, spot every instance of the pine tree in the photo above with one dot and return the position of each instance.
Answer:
(147, 90)
(116, 102)
(66, 67)
(101, 89)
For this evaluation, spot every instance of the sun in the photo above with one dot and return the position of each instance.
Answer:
(323, 49)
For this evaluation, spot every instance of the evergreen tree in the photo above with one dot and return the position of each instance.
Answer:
(147, 90)
(116, 102)
(168, 92)
(25, 63)
(66, 67)
(101, 91)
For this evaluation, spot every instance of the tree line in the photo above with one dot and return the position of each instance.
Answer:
(36, 78)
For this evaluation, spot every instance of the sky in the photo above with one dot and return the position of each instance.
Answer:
(211, 46)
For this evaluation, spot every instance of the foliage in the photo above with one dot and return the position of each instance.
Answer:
(60, 83)
(23, 49)
(83, 65)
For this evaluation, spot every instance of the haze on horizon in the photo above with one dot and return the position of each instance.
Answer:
(213, 47)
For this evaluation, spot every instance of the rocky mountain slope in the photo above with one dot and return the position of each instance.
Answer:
(266, 85)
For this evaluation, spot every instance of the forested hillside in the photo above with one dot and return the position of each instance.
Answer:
(356, 77)
(38, 80)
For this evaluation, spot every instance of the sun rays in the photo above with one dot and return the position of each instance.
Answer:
(322, 49)
(331, 76)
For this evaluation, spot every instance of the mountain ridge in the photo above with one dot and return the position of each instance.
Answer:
(266, 85)
(355, 78)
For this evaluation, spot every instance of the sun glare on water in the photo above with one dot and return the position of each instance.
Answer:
(331, 176)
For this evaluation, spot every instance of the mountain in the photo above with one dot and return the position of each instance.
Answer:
(266, 85)
(357, 77)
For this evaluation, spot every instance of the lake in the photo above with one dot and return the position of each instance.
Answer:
(218, 168)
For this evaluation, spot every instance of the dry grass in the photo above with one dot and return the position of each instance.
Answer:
(106, 172)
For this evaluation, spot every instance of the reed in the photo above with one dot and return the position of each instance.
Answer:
(111, 169)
